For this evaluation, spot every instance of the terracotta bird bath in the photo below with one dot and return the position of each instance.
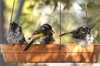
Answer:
(50, 53)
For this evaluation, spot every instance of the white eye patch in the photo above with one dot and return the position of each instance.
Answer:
(43, 28)
(83, 32)
(88, 30)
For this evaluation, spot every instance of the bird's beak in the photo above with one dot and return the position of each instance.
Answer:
(52, 31)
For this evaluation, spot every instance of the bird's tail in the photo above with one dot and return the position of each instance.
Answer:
(65, 34)
(33, 40)
(29, 44)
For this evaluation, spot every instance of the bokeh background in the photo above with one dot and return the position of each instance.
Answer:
(33, 13)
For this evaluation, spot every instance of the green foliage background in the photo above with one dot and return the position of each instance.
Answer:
(30, 16)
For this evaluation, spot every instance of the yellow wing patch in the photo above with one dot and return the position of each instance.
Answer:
(38, 35)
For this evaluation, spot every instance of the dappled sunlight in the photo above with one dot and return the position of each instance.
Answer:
(50, 53)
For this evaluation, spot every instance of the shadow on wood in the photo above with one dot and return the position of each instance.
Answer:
(50, 53)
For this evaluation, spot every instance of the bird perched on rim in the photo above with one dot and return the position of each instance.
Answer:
(83, 35)
(48, 39)
(15, 34)
(43, 33)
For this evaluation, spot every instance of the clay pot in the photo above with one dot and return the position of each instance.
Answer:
(50, 53)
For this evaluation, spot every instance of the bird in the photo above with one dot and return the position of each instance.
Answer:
(15, 34)
(48, 39)
(43, 32)
(83, 35)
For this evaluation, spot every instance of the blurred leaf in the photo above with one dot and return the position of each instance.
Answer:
(47, 2)
(68, 3)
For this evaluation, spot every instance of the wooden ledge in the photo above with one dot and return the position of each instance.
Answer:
(50, 53)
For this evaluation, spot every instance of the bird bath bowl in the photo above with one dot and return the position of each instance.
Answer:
(50, 53)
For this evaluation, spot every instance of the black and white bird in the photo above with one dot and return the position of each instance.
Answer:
(48, 39)
(83, 35)
(44, 34)
(15, 34)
